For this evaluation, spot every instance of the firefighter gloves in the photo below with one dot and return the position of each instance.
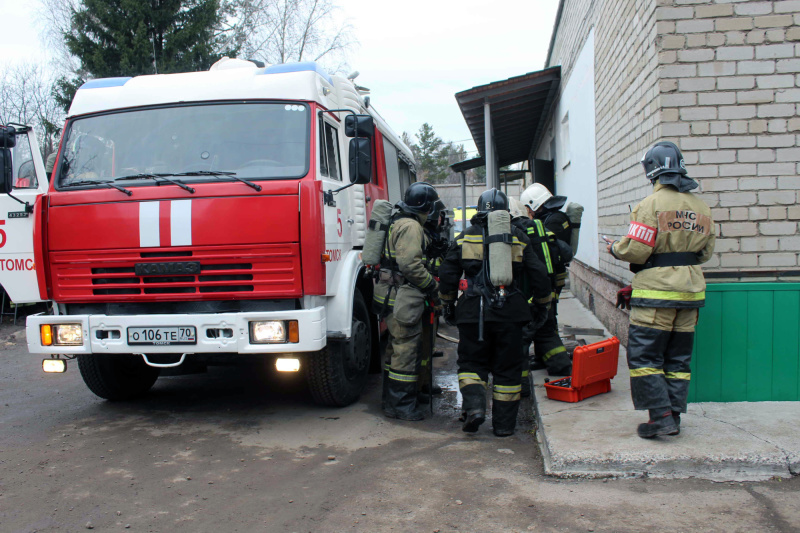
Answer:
(624, 297)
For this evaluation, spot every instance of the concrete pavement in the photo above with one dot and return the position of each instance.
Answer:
(743, 441)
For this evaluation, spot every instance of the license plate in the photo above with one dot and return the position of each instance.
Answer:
(162, 336)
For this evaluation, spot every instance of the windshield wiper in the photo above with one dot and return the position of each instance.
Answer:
(220, 174)
(156, 177)
(90, 182)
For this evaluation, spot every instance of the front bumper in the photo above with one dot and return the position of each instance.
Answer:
(311, 322)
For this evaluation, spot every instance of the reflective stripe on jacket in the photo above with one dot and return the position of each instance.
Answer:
(668, 221)
(465, 256)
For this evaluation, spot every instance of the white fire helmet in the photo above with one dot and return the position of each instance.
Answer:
(516, 208)
(534, 196)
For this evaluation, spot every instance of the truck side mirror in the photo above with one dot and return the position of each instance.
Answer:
(360, 174)
(6, 183)
(359, 126)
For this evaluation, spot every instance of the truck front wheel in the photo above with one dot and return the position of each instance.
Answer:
(338, 374)
(116, 377)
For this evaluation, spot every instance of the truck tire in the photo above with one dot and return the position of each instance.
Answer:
(337, 374)
(116, 377)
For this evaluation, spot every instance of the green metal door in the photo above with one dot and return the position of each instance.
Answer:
(747, 346)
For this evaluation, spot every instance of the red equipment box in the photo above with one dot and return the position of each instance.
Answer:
(593, 366)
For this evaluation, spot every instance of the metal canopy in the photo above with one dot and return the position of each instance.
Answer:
(513, 175)
(468, 164)
(518, 109)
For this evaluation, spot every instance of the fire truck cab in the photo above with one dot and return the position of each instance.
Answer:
(209, 217)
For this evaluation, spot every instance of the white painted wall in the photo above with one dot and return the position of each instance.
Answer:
(576, 161)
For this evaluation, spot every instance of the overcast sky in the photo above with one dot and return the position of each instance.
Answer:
(414, 55)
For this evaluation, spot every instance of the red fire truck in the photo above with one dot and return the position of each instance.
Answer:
(204, 218)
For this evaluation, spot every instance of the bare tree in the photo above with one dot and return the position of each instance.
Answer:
(285, 31)
(274, 31)
(55, 17)
(26, 98)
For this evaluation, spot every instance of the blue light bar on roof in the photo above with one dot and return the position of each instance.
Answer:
(104, 82)
(308, 66)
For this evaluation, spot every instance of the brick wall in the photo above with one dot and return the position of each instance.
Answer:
(627, 113)
(729, 81)
(577, 18)
(720, 78)
(626, 101)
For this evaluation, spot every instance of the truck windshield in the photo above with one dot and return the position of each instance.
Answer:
(253, 141)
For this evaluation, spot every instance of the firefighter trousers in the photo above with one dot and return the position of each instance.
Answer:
(549, 349)
(498, 354)
(403, 350)
(659, 354)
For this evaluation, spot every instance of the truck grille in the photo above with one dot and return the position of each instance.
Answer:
(270, 270)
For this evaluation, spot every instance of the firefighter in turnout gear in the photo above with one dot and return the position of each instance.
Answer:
(490, 316)
(403, 286)
(671, 233)
(550, 232)
(554, 254)
(437, 231)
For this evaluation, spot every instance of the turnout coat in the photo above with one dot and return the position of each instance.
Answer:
(465, 256)
(671, 233)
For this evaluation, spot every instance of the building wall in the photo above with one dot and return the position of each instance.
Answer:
(627, 119)
(720, 78)
(575, 163)
(729, 76)
(626, 97)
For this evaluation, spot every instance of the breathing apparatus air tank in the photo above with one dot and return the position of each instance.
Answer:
(500, 239)
(574, 212)
(379, 221)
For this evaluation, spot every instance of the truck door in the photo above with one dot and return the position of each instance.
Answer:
(338, 216)
(17, 268)
(376, 189)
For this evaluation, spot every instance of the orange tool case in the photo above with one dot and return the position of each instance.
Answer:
(593, 366)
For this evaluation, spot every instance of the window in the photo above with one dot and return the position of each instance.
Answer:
(24, 175)
(392, 171)
(408, 173)
(253, 140)
(405, 178)
(329, 151)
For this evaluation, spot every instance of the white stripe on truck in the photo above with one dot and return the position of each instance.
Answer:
(180, 222)
(148, 225)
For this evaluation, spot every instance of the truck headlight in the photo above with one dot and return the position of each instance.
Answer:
(62, 335)
(267, 332)
(54, 366)
(287, 364)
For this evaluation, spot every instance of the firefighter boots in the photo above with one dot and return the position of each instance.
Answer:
(473, 420)
(401, 400)
(504, 417)
(661, 423)
(474, 406)
(676, 416)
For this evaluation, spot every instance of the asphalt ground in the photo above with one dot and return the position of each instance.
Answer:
(241, 449)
